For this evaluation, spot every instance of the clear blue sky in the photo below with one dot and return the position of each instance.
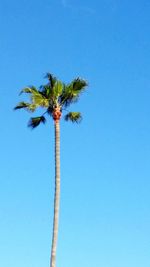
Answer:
(105, 161)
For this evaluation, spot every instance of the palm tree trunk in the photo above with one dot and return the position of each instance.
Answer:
(57, 194)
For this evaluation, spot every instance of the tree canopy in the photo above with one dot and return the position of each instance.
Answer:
(54, 94)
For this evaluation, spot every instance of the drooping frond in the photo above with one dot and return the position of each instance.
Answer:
(72, 91)
(74, 117)
(29, 107)
(21, 105)
(34, 122)
(37, 98)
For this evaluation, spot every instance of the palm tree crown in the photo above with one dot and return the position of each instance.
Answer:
(55, 97)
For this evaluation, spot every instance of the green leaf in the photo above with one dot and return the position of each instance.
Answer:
(34, 122)
(72, 91)
(45, 90)
(52, 79)
(39, 100)
(22, 105)
(27, 106)
(32, 107)
(29, 90)
(79, 84)
(74, 117)
(58, 87)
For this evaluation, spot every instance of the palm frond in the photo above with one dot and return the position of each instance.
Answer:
(28, 106)
(32, 107)
(37, 98)
(29, 90)
(74, 117)
(34, 122)
(45, 90)
(58, 88)
(67, 96)
(79, 84)
(21, 105)
(52, 90)
(52, 79)
(72, 91)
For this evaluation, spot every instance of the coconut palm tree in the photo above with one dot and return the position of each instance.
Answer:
(54, 97)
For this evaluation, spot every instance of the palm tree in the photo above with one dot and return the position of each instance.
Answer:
(54, 97)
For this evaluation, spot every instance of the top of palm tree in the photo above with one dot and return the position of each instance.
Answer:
(53, 96)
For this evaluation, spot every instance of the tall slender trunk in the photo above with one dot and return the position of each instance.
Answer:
(57, 194)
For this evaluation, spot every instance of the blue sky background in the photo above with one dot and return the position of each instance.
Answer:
(105, 161)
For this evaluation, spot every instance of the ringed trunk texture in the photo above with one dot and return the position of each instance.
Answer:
(57, 194)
